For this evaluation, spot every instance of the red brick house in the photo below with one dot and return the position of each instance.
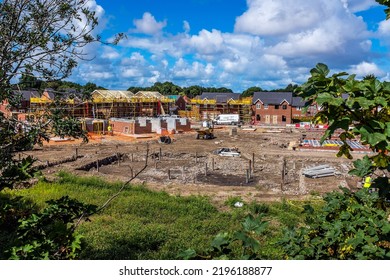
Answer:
(279, 108)
(271, 108)
(297, 111)
(21, 111)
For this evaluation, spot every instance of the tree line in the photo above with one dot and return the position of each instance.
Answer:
(28, 81)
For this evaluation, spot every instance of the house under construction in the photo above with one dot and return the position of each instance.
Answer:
(211, 104)
(105, 104)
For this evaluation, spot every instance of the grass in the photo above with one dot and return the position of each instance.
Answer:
(143, 224)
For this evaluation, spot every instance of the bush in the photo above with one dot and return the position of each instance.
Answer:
(349, 226)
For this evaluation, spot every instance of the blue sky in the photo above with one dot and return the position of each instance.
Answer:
(235, 44)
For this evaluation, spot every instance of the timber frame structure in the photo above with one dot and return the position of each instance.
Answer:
(204, 109)
(105, 104)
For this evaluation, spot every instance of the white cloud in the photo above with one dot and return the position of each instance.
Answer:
(136, 58)
(366, 68)
(207, 42)
(384, 28)
(274, 43)
(268, 17)
(94, 75)
(196, 70)
(186, 26)
(148, 24)
(359, 5)
(110, 53)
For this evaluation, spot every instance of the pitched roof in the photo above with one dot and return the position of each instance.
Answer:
(70, 93)
(220, 97)
(149, 94)
(27, 94)
(110, 94)
(272, 98)
(298, 102)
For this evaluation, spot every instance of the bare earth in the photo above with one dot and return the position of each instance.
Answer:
(182, 167)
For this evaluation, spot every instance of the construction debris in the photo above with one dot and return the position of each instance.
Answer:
(319, 171)
(165, 140)
(227, 152)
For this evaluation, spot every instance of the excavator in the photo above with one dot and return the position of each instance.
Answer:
(206, 132)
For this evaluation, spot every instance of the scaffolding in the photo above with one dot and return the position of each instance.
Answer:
(133, 107)
(144, 104)
(210, 108)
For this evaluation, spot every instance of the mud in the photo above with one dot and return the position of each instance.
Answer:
(266, 171)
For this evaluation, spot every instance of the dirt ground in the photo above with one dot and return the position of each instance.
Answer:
(189, 167)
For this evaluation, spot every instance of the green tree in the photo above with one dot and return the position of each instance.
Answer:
(249, 92)
(166, 88)
(348, 226)
(192, 91)
(40, 40)
(28, 81)
(43, 39)
(359, 109)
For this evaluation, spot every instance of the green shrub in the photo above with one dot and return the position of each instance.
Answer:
(349, 226)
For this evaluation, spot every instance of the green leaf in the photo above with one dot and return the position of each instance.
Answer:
(361, 101)
(221, 240)
(363, 167)
(375, 138)
(187, 254)
(376, 124)
(320, 70)
(379, 100)
(252, 224)
(330, 99)
(387, 129)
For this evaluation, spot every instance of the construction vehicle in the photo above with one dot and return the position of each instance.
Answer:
(206, 132)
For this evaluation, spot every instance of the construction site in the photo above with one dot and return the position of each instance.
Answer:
(270, 164)
(106, 104)
(167, 134)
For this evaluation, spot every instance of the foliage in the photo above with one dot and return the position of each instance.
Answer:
(357, 109)
(49, 234)
(169, 88)
(12, 209)
(249, 92)
(240, 244)
(349, 226)
(386, 3)
(42, 41)
(140, 224)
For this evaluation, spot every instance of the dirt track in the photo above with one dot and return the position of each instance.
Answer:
(182, 167)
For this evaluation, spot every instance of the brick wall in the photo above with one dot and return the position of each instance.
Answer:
(130, 126)
(183, 125)
(274, 114)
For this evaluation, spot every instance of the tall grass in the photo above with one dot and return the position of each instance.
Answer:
(145, 224)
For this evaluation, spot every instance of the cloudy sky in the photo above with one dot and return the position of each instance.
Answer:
(235, 44)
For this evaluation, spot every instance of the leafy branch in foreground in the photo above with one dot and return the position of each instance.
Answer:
(349, 226)
(241, 244)
(355, 109)
(49, 234)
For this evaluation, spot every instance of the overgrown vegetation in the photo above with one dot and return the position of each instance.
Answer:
(348, 226)
(359, 109)
(142, 224)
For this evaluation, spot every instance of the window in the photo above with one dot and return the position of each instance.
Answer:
(258, 105)
(276, 107)
(284, 119)
(299, 108)
(258, 118)
(265, 106)
(284, 107)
